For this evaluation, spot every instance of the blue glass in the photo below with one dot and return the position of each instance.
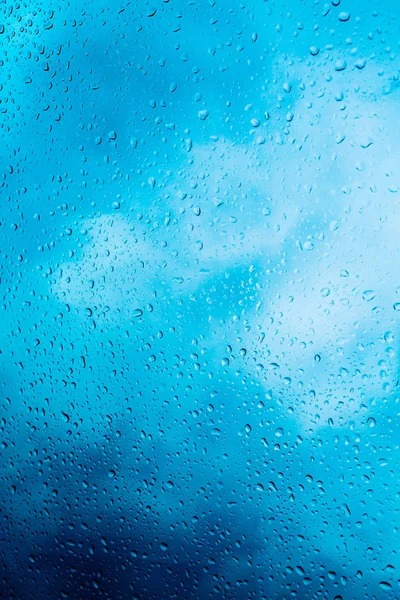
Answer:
(200, 300)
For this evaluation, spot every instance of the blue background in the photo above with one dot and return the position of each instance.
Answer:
(200, 228)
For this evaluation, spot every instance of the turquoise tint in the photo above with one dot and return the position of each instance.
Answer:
(200, 300)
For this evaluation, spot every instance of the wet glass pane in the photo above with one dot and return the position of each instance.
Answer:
(200, 300)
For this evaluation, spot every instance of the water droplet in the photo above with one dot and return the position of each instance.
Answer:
(368, 295)
(340, 65)
(385, 585)
(308, 245)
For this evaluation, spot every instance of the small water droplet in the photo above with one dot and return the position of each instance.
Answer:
(368, 295)
(385, 585)
(340, 65)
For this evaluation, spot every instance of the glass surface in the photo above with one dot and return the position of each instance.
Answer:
(199, 334)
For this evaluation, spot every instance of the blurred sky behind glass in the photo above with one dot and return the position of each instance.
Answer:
(200, 299)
